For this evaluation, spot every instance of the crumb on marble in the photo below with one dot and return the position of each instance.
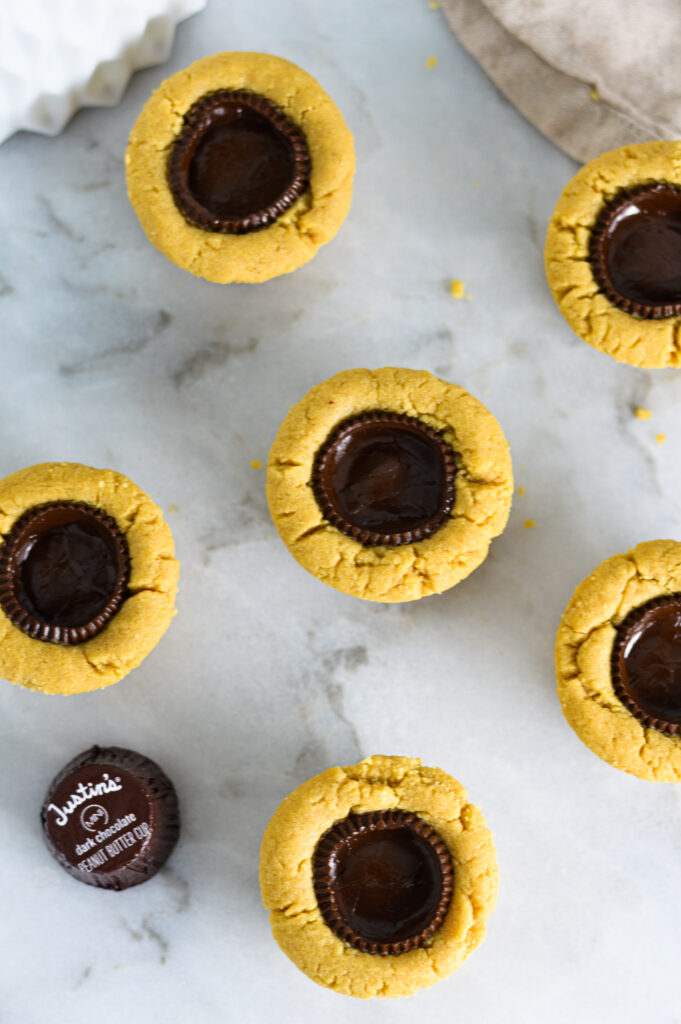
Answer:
(256, 464)
(660, 438)
(433, 5)
(594, 94)
(521, 492)
(172, 507)
(457, 289)
(642, 414)
(431, 63)
(529, 524)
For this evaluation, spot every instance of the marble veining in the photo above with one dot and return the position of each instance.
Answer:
(114, 357)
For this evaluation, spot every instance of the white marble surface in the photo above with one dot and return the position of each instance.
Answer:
(113, 357)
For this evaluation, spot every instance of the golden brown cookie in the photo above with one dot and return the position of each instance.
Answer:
(247, 221)
(88, 577)
(618, 661)
(426, 853)
(613, 254)
(434, 511)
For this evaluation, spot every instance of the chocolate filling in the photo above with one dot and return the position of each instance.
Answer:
(238, 163)
(383, 881)
(385, 478)
(111, 818)
(646, 663)
(635, 250)
(64, 568)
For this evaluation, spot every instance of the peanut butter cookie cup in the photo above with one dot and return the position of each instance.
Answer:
(240, 167)
(88, 577)
(618, 661)
(379, 877)
(613, 254)
(389, 484)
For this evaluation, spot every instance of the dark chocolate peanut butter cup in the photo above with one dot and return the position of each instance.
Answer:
(238, 163)
(64, 569)
(646, 663)
(383, 881)
(635, 250)
(385, 478)
(111, 818)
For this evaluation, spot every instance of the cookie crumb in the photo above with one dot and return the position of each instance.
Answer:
(172, 507)
(431, 63)
(660, 438)
(256, 464)
(594, 94)
(433, 5)
(457, 289)
(642, 414)
(521, 492)
(528, 524)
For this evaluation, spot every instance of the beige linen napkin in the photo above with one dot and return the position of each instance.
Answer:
(590, 74)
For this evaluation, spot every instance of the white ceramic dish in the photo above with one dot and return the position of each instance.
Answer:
(58, 57)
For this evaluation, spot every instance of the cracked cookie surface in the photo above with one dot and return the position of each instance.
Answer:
(297, 234)
(583, 654)
(484, 485)
(628, 338)
(145, 613)
(377, 783)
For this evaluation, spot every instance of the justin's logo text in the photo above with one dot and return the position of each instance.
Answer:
(83, 793)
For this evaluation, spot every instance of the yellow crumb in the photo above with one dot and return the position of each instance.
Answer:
(256, 464)
(431, 63)
(172, 507)
(594, 94)
(528, 524)
(476, 184)
(660, 438)
(521, 492)
(457, 289)
(433, 5)
(642, 414)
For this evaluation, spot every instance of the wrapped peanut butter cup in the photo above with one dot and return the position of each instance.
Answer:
(111, 818)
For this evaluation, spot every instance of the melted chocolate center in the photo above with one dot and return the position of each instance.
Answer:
(636, 250)
(383, 880)
(63, 571)
(646, 664)
(385, 478)
(238, 163)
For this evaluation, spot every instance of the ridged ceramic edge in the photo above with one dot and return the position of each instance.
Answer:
(49, 114)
